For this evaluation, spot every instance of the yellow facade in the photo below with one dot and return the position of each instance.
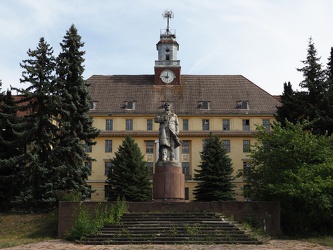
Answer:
(193, 137)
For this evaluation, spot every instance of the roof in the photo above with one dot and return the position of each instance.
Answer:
(223, 92)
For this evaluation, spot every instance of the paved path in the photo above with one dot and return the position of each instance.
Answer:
(271, 245)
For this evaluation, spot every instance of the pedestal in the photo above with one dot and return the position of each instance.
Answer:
(168, 182)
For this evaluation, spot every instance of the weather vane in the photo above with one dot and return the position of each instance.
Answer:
(168, 14)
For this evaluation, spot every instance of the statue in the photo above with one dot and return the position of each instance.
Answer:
(168, 133)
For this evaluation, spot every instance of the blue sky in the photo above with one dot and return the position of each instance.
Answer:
(263, 40)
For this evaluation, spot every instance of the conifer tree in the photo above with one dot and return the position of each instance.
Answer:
(128, 177)
(327, 107)
(315, 87)
(75, 125)
(37, 101)
(11, 151)
(214, 175)
(312, 102)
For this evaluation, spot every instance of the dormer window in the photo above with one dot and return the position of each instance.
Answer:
(204, 105)
(130, 105)
(93, 105)
(242, 105)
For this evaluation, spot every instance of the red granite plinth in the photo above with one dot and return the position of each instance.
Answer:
(168, 182)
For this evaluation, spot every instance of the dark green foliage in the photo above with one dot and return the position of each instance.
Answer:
(295, 167)
(10, 150)
(38, 101)
(128, 177)
(54, 129)
(214, 175)
(314, 103)
(74, 124)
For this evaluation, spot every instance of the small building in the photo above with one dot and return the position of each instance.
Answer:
(227, 105)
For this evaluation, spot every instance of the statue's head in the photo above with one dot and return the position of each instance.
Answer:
(167, 105)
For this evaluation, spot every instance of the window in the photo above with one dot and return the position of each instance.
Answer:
(107, 191)
(246, 168)
(149, 124)
(108, 168)
(226, 124)
(242, 105)
(246, 125)
(187, 194)
(109, 124)
(149, 147)
(88, 148)
(186, 147)
(88, 197)
(266, 124)
(150, 167)
(130, 105)
(88, 165)
(246, 146)
(205, 124)
(203, 105)
(185, 124)
(108, 146)
(226, 144)
(93, 105)
(186, 168)
(246, 192)
(129, 124)
(204, 142)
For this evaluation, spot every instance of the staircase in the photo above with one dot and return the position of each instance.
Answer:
(165, 228)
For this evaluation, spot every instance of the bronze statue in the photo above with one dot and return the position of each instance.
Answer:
(168, 133)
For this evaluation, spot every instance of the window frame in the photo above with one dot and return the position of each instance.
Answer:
(149, 148)
(246, 124)
(108, 146)
(109, 124)
(246, 146)
(205, 127)
(129, 125)
(226, 145)
(149, 124)
(185, 124)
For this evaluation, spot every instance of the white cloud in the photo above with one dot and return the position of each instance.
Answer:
(264, 40)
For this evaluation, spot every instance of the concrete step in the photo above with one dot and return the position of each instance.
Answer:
(159, 228)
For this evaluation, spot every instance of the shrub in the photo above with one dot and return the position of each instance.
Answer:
(90, 222)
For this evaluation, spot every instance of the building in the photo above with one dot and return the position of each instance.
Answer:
(228, 105)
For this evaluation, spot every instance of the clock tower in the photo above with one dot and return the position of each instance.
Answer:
(167, 67)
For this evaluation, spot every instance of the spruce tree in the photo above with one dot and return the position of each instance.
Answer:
(128, 177)
(11, 151)
(312, 103)
(315, 87)
(327, 112)
(37, 101)
(75, 125)
(214, 175)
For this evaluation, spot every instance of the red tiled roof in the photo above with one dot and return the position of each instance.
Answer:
(222, 91)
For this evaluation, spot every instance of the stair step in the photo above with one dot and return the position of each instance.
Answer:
(168, 228)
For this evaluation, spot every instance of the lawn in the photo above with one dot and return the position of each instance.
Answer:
(18, 229)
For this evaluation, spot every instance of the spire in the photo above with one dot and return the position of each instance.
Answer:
(168, 14)
(167, 33)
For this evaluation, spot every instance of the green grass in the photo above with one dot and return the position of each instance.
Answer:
(19, 229)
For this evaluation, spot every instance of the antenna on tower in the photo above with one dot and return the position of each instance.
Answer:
(168, 14)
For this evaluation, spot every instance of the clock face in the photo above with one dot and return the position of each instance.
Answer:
(167, 76)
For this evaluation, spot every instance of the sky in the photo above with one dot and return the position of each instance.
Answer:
(263, 40)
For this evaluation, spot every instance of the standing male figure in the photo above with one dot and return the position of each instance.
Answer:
(168, 133)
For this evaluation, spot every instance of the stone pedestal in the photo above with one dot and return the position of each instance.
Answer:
(168, 182)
